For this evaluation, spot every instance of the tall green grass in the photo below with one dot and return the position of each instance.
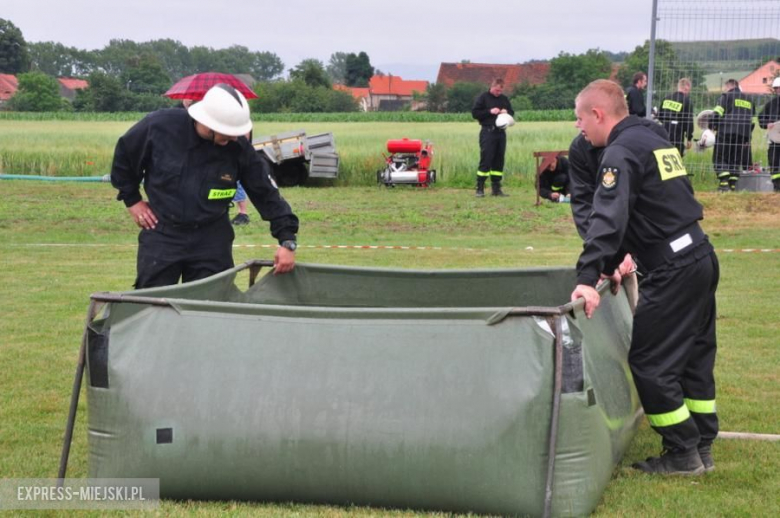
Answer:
(85, 148)
(400, 116)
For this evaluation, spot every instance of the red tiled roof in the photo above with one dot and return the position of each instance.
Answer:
(357, 93)
(760, 80)
(485, 73)
(8, 86)
(73, 84)
(395, 85)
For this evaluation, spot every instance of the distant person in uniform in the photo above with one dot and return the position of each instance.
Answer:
(769, 118)
(554, 180)
(492, 139)
(676, 115)
(733, 123)
(635, 96)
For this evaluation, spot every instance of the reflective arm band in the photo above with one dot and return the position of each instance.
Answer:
(719, 110)
(699, 406)
(556, 188)
(669, 418)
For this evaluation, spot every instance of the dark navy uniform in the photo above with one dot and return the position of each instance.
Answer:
(733, 123)
(189, 183)
(644, 205)
(636, 101)
(555, 181)
(584, 159)
(492, 140)
(676, 115)
(771, 113)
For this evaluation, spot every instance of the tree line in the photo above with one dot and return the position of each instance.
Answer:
(130, 76)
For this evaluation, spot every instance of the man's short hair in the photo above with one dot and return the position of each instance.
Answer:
(605, 94)
(683, 83)
(499, 81)
(732, 83)
(638, 77)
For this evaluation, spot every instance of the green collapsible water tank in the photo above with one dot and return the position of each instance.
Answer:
(439, 390)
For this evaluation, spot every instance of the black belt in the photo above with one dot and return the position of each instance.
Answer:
(492, 128)
(190, 226)
(684, 241)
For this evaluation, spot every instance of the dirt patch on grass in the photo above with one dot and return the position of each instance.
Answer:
(738, 211)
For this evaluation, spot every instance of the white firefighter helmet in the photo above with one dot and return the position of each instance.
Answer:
(774, 133)
(706, 140)
(223, 110)
(504, 120)
(704, 119)
(776, 82)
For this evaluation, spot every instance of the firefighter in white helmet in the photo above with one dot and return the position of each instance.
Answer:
(189, 162)
(769, 119)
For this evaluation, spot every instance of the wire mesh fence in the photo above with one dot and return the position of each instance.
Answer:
(715, 62)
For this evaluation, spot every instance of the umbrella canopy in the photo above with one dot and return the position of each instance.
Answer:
(195, 86)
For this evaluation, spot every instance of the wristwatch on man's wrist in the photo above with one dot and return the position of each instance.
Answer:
(290, 245)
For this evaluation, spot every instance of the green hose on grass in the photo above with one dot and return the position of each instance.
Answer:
(104, 178)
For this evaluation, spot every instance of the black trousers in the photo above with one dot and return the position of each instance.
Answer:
(673, 348)
(676, 136)
(168, 253)
(773, 155)
(733, 154)
(492, 147)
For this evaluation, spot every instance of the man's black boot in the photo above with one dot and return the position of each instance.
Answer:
(673, 463)
(496, 186)
(481, 186)
(705, 454)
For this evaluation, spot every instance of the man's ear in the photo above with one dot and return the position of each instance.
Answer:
(598, 114)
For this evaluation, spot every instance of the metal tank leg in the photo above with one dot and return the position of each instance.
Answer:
(556, 408)
(74, 396)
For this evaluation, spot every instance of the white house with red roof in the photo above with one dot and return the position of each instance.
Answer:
(386, 93)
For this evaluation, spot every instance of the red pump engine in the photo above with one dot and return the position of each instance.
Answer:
(409, 163)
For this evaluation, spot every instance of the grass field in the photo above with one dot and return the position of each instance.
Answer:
(85, 148)
(60, 242)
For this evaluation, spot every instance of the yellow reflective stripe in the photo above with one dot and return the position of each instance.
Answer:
(670, 163)
(480, 173)
(554, 188)
(741, 103)
(700, 406)
(221, 194)
(669, 418)
(776, 176)
(496, 173)
(671, 105)
(719, 110)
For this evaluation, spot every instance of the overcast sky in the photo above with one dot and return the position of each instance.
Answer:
(403, 37)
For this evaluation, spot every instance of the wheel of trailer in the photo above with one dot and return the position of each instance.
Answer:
(290, 174)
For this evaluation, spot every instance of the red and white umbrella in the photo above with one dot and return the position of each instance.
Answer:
(195, 86)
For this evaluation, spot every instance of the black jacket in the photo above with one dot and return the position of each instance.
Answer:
(486, 102)
(643, 197)
(770, 112)
(636, 101)
(191, 181)
(676, 114)
(556, 180)
(584, 161)
(734, 114)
